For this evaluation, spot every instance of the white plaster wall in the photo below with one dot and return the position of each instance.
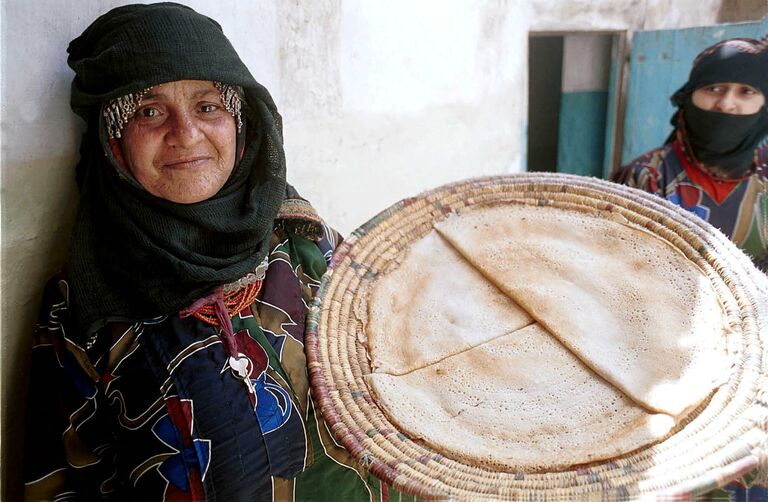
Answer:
(616, 15)
(421, 100)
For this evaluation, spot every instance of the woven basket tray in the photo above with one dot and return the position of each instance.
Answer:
(723, 439)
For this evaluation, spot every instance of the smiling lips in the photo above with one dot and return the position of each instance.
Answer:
(187, 163)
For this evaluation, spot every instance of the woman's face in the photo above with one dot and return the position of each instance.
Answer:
(729, 97)
(180, 144)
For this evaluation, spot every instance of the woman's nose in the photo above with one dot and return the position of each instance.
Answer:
(728, 102)
(183, 131)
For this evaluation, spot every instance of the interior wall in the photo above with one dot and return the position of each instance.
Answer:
(584, 103)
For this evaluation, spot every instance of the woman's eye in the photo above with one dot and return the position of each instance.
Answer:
(149, 112)
(207, 108)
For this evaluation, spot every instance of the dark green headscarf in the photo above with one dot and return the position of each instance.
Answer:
(133, 255)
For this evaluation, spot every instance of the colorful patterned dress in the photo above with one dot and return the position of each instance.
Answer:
(739, 208)
(153, 411)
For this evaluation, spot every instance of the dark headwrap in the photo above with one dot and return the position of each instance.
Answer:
(134, 255)
(724, 139)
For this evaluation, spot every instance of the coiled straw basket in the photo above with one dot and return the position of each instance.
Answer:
(723, 439)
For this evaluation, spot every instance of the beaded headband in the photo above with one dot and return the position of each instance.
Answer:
(117, 112)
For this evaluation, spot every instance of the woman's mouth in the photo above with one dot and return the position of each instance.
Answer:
(186, 163)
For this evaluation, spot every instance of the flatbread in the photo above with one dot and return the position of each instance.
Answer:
(433, 305)
(519, 402)
(627, 303)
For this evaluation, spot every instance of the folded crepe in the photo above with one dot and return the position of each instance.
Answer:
(433, 305)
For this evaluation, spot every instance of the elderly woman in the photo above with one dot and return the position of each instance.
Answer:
(715, 162)
(168, 360)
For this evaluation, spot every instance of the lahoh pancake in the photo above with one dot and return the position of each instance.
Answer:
(418, 311)
(538, 338)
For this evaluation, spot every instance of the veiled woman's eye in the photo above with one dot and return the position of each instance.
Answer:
(208, 107)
